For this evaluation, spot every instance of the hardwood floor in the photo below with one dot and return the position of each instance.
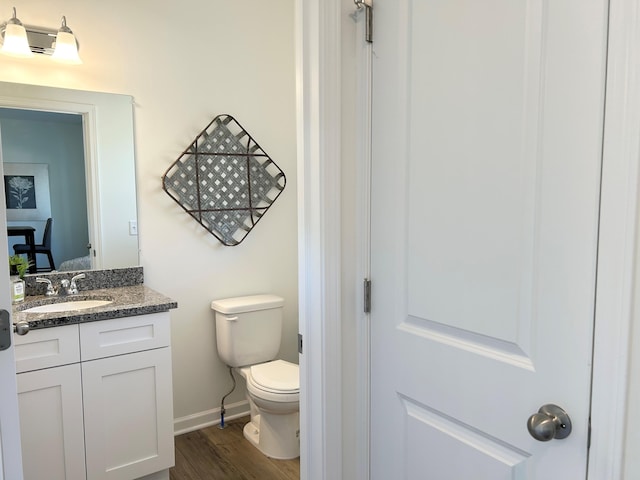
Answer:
(214, 454)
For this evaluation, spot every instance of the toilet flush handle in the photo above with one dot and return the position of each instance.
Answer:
(231, 319)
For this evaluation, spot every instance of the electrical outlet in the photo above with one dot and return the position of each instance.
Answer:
(133, 227)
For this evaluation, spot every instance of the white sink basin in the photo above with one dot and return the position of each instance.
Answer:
(68, 306)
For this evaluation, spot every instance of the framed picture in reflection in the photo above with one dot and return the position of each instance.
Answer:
(26, 188)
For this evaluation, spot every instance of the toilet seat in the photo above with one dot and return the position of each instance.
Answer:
(278, 381)
(277, 376)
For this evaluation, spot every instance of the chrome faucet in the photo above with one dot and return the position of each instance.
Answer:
(71, 288)
(66, 287)
(50, 290)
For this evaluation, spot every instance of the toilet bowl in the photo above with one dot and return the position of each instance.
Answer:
(248, 335)
(273, 391)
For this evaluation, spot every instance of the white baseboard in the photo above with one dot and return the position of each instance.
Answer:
(207, 418)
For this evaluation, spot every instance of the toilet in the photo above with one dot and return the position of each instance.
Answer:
(248, 336)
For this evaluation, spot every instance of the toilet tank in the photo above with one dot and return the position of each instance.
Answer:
(248, 329)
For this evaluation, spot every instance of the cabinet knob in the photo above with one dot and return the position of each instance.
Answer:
(21, 328)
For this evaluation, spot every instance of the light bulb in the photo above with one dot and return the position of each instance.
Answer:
(15, 39)
(66, 47)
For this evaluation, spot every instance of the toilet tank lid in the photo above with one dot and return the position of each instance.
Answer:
(247, 304)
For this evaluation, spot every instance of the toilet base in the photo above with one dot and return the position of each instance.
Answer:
(279, 440)
(252, 432)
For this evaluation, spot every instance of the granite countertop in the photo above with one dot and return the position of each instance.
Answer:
(127, 301)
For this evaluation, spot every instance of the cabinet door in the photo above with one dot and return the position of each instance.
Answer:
(128, 409)
(50, 405)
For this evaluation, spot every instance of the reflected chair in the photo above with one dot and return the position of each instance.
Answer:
(44, 247)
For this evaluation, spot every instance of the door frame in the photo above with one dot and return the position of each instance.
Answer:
(318, 169)
(617, 243)
(321, 43)
(10, 445)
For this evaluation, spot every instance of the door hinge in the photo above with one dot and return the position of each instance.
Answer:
(367, 295)
(299, 343)
(368, 18)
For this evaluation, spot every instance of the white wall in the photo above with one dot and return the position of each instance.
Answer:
(229, 57)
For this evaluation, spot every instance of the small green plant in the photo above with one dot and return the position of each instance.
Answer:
(18, 265)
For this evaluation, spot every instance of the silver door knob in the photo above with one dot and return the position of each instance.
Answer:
(550, 422)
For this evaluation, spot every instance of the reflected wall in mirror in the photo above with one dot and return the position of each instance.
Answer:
(86, 139)
(31, 139)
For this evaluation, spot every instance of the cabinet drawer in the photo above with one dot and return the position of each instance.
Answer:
(47, 347)
(124, 335)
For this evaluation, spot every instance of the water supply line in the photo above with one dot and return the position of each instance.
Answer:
(222, 410)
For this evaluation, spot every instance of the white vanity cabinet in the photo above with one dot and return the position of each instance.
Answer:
(128, 398)
(122, 392)
(50, 403)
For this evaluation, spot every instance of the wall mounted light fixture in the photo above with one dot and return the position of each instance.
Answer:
(20, 40)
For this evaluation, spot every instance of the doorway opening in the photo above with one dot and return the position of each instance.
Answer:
(46, 149)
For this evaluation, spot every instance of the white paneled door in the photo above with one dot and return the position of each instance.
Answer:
(487, 148)
(10, 453)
